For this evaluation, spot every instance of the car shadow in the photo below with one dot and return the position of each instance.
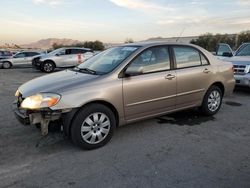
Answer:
(187, 117)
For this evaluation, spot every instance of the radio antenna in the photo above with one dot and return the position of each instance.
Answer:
(182, 31)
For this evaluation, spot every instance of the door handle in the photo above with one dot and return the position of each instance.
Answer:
(206, 70)
(169, 77)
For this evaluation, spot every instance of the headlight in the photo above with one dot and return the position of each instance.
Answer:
(17, 93)
(41, 100)
(248, 68)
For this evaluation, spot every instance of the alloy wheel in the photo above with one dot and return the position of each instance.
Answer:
(95, 128)
(214, 101)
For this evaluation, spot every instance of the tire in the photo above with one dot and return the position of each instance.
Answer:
(6, 65)
(212, 101)
(93, 126)
(48, 66)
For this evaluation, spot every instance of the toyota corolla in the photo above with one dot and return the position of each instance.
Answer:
(122, 85)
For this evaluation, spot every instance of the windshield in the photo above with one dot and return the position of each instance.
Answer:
(107, 60)
(244, 50)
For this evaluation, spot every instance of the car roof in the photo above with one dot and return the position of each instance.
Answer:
(81, 48)
(28, 51)
(152, 43)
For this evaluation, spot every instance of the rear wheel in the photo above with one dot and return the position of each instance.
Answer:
(6, 65)
(212, 101)
(48, 66)
(93, 126)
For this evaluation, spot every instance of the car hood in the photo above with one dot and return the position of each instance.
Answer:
(239, 60)
(55, 82)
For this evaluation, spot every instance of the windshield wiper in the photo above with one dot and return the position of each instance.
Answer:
(85, 70)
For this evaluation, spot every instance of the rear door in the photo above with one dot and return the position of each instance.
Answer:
(78, 56)
(153, 91)
(194, 75)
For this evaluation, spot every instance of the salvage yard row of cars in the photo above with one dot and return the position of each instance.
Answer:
(121, 85)
(60, 58)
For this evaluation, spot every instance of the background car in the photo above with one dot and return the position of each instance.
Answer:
(61, 58)
(20, 59)
(223, 51)
(5, 54)
(241, 62)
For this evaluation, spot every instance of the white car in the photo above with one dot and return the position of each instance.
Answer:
(20, 59)
(62, 58)
(241, 62)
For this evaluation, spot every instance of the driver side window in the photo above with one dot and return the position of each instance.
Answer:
(152, 60)
(20, 55)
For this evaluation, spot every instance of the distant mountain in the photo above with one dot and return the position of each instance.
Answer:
(47, 43)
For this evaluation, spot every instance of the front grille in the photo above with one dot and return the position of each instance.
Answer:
(35, 61)
(239, 69)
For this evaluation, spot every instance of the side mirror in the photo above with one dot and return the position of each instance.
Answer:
(133, 71)
(58, 54)
(227, 54)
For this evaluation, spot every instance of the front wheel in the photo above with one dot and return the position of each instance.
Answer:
(93, 126)
(6, 65)
(212, 101)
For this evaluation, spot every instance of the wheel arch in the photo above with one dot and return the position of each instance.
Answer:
(220, 85)
(68, 118)
(49, 60)
(11, 64)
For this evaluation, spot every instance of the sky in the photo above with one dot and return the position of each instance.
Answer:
(25, 21)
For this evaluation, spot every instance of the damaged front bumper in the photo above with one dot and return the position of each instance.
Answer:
(42, 117)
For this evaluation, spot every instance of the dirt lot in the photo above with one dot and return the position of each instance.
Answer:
(179, 150)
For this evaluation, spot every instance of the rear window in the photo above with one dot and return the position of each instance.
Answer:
(188, 57)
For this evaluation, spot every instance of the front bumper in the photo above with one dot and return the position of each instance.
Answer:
(242, 80)
(21, 115)
(44, 117)
(36, 64)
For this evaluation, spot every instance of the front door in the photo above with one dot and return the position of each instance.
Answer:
(152, 91)
(19, 60)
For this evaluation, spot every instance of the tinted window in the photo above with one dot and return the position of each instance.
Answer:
(186, 57)
(30, 54)
(68, 51)
(245, 51)
(78, 51)
(152, 60)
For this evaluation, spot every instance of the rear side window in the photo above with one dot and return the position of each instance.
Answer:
(78, 51)
(68, 51)
(188, 57)
(30, 54)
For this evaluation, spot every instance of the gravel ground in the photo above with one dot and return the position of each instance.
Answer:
(183, 149)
